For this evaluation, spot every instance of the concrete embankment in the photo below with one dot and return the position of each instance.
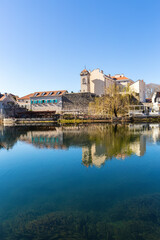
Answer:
(148, 119)
(26, 121)
(76, 120)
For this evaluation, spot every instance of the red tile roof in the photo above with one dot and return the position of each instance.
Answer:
(27, 96)
(47, 93)
(85, 70)
(2, 96)
(120, 78)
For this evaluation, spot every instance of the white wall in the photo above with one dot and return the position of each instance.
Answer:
(47, 106)
(25, 103)
(139, 87)
(85, 87)
(97, 82)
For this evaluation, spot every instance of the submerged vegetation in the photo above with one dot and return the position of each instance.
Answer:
(136, 219)
(80, 203)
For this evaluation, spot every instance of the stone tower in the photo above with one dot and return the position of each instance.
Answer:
(85, 81)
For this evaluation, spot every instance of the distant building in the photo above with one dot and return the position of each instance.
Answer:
(121, 79)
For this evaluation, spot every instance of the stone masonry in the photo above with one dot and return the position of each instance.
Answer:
(77, 102)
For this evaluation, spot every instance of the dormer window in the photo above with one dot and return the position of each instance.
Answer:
(36, 94)
(44, 93)
(51, 93)
(58, 93)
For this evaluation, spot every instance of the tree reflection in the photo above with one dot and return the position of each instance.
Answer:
(99, 142)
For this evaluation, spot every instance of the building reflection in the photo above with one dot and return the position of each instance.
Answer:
(45, 139)
(99, 142)
(97, 154)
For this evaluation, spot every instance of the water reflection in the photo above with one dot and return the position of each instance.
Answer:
(50, 190)
(99, 142)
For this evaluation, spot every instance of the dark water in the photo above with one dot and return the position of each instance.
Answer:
(91, 182)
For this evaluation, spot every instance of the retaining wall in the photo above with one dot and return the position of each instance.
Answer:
(72, 102)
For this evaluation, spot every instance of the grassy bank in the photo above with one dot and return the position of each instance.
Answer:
(149, 119)
(70, 121)
(114, 120)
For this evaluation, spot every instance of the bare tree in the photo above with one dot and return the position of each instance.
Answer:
(115, 102)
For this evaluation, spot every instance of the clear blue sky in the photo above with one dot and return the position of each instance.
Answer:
(44, 44)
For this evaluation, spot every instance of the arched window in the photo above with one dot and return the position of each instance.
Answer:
(84, 81)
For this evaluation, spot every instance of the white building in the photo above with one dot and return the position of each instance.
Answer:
(97, 82)
(156, 102)
(139, 87)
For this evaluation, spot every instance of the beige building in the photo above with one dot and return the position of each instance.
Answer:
(97, 82)
(140, 88)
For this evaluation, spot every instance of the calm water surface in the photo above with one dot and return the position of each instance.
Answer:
(96, 182)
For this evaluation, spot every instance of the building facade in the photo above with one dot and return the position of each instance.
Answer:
(121, 79)
(7, 105)
(97, 82)
(156, 102)
(140, 88)
(43, 101)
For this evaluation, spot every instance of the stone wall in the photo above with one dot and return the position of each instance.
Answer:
(77, 102)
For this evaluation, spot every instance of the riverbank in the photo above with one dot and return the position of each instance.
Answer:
(146, 119)
(135, 119)
(38, 121)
